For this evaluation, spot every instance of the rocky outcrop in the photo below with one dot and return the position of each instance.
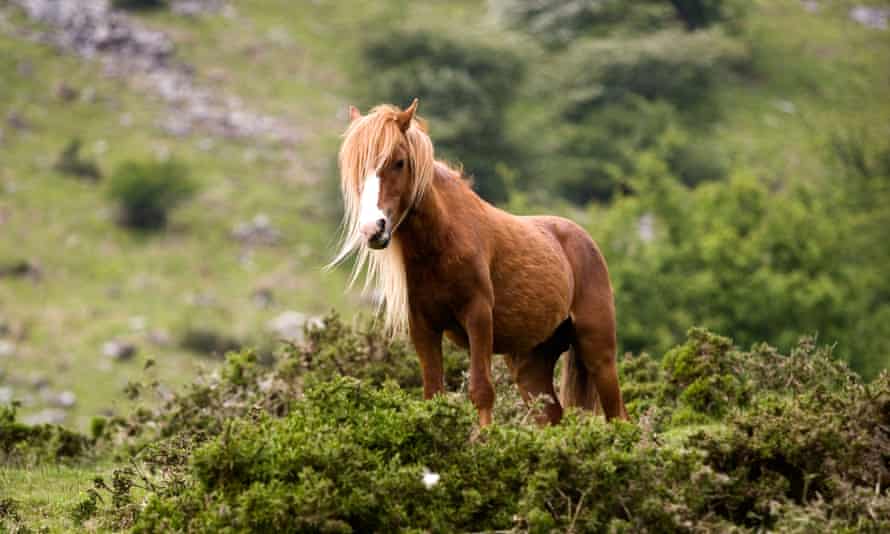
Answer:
(146, 57)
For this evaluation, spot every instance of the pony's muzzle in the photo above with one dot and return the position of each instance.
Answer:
(376, 233)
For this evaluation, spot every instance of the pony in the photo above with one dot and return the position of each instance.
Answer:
(447, 263)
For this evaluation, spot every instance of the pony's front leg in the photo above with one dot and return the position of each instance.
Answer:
(477, 322)
(428, 344)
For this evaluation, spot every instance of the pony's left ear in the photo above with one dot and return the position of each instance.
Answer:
(354, 113)
(404, 117)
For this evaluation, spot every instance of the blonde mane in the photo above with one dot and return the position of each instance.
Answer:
(367, 144)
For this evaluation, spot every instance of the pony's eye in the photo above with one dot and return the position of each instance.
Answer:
(399, 164)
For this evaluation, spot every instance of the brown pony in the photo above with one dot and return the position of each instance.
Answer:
(447, 262)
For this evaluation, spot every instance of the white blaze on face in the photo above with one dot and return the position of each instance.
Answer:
(370, 213)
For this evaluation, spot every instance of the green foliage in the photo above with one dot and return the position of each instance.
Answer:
(738, 257)
(791, 439)
(70, 162)
(361, 351)
(671, 65)
(21, 443)
(464, 88)
(145, 192)
(557, 23)
(623, 96)
(704, 374)
(596, 157)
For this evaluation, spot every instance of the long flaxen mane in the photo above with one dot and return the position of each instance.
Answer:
(368, 143)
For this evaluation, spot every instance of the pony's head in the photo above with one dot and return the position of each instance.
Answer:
(386, 165)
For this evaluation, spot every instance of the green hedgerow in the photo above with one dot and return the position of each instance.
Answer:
(145, 192)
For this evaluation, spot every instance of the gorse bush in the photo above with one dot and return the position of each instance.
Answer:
(145, 192)
(789, 442)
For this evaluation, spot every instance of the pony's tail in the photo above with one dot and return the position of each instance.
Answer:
(576, 387)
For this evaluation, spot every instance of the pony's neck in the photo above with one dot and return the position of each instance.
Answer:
(424, 232)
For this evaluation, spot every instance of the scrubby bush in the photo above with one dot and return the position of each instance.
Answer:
(794, 440)
(145, 192)
(464, 88)
(361, 351)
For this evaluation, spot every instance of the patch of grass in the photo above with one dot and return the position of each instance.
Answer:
(44, 495)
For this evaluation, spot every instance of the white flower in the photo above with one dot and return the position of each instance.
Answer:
(429, 478)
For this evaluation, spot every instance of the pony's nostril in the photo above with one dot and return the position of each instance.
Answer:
(381, 225)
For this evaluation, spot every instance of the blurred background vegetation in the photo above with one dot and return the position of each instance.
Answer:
(732, 159)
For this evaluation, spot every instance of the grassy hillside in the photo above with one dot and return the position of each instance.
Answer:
(73, 279)
(98, 281)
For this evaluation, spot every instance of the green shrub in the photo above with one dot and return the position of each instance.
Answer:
(21, 443)
(351, 457)
(145, 192)
(359, 350)
(704, 374)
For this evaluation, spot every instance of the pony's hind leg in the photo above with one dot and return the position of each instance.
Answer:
(595, 349)
(533, 374)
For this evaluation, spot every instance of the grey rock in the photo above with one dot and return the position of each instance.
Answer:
(872, 17)
(289, 325)
(119, 350)
(6, 395)
(39, 382)
(159, 337)
(66, 399)
(7, 348)
(263, 297)
(90, 28)
(53, 416)
(258, 231)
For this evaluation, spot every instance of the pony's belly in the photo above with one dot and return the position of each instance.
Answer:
(518, 331)
(533, 287)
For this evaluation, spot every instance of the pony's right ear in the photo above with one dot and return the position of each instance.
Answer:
(354, 113)
(403, 118)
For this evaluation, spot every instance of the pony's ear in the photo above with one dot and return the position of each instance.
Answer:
(354, 113)
(404, 117)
